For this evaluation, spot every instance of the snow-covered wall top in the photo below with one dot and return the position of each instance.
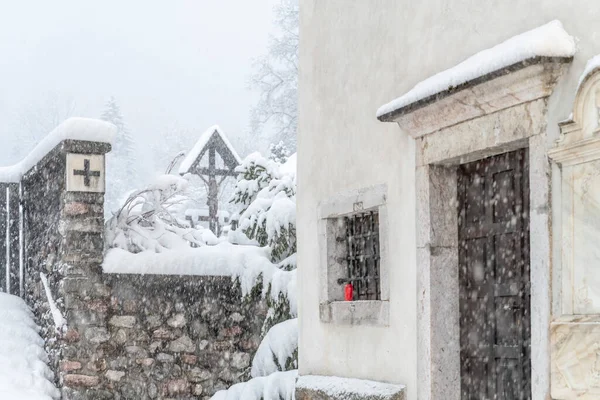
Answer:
(86, 129)
(249, 264)
(191, 157)
(550, 40)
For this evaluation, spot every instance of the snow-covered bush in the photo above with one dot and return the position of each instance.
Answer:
(254, 174)
(150, 220)
(279, 152)
(278, 350)
(266, 193)
(277, 386)
(268, 205)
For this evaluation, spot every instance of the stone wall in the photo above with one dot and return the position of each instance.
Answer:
(43, 241)
(156, 336)
(177, 337)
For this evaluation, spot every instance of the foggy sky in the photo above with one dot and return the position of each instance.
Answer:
(169, 63)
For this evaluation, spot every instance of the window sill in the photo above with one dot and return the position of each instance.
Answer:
(365, 312)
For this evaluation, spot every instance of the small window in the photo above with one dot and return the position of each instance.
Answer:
(363, 255)
(354, 261)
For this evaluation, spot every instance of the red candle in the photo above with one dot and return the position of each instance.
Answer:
(348, 292)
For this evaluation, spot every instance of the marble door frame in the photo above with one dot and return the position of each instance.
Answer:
(438, 155)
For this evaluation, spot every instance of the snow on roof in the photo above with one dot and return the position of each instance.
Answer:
(87, 129)
(592, 65)
(24, 373)
(341, 388)
(550, 40)
(193, 155)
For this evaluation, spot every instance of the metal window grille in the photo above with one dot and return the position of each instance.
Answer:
(362, 244)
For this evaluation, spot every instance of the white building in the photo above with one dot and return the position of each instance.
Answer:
(484, 188)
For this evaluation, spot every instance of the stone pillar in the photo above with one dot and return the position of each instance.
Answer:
(63, 198)
(86, 296)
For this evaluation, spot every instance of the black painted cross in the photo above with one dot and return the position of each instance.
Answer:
(86, 172)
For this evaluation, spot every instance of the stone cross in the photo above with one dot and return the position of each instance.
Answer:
(86, 172)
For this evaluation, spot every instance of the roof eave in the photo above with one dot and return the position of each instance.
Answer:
(521, 82)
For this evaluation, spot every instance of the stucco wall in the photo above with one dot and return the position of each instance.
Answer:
(355, 56)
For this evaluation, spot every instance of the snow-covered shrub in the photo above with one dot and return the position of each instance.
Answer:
(266, 193)
(254, 174)
(277, 386)
(279, 152)
(268, 205)
(150, 220)
(278, 350)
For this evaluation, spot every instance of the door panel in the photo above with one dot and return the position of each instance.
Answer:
(494, 278)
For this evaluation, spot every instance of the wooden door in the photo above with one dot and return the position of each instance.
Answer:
(495, 332)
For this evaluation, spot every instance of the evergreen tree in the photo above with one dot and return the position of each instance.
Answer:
(267, 201)
(279, 152)
(121, 162)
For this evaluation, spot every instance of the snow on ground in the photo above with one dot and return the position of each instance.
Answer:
(88, 129)
(247, 263)
(192, 156)
(24, 374)
(280, 342)
(277, 386)
(550, 40)
(340, 388)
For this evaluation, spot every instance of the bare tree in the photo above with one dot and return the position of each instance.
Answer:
(275, 77)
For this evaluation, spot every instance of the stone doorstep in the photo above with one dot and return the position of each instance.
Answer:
(312, 387)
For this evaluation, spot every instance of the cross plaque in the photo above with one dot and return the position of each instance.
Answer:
(86, 172)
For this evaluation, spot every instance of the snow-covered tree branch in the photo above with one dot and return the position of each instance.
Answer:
(151, 220)
(275, 77)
